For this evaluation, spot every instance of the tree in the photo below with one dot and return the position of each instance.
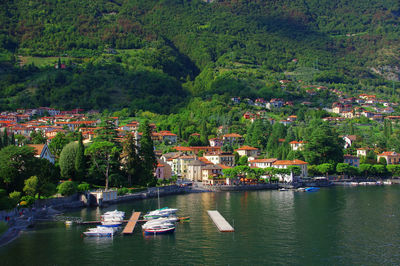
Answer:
(295, 170)
(48, 175)
(380, 170)
(324, 146)
(16, 165)
(131, 162)
(237, 157)
(382, 161)
(147, 155)
(5, 138)
(243, 160)
(325, 168)
(366, 169)
(58, 143)
(67, 188)
(342, 168)
(37, 137)
(67, 160)
(80, 160)
(31, 186)
(103, 154)
(394, 169)
(106, 133)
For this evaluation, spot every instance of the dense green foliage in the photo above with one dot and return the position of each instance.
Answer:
(150, 54)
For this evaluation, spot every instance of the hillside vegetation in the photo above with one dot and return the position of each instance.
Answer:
(154, 55)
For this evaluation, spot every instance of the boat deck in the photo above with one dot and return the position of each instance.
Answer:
(220, 222)
(130, 226)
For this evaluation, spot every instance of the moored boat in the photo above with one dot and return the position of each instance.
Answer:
(312, 189)
(100, 231)
(159, 230)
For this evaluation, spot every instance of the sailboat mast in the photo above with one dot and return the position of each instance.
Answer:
(158, 196)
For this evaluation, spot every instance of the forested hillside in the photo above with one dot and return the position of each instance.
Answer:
(152, 55)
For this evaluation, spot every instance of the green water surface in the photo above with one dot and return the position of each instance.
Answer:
(335, 226)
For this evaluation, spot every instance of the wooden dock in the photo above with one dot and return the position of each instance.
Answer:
(130, 226)
(220, 222)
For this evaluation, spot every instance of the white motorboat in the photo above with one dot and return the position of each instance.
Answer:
(100, 232)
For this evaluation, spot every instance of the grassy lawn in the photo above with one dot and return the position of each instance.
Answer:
(46, 61)
(3, 227)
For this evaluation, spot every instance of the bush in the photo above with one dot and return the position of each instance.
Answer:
(16, 196)
(122, 191)
(28, 199)
(67, 188)
(83, 187)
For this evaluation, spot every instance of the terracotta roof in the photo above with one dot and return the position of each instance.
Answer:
(388, 153)
(247, 148)
(287, 162)
(37, 147)
(232, 135)
(224, 166)
(297, 142)
(270, 160)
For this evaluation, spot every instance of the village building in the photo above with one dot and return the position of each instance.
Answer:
(232, 139)
(362, 152)
(284, 164)
(349, 140)
(274, 103)
(247, 151)
(195, 170)
(262, 163)
(351, 160)
(227, 159)
(42, 151)
(297, 145)
(196, 149)
(216, 142)
(211, 175)
(163, 170)
(391, 157)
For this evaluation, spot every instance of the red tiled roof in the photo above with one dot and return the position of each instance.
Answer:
(247, 148)
(288, 162)
(269, 160)
(232, 135)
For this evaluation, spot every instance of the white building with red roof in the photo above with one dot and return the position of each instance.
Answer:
(247, 151)
(262, 163)
(297, 145)
(284, 164)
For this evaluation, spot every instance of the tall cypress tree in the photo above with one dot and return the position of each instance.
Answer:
(130, 160)
(80, 162)
(147, 155)
(12, 141)
(5, 138)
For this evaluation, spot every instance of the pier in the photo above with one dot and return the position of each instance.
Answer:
(220, 222)
(130, 226)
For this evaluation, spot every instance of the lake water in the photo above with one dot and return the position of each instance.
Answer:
(341, 226)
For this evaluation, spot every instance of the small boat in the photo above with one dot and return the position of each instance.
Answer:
(165, 212)
(111, 223)
(68, 223)
(100, 231)
(283, 189)
(159, 230)
(312, 189)
(160, 221)
(184, 219)
(301, 189)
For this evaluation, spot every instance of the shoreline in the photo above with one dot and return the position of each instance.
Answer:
(50, 211)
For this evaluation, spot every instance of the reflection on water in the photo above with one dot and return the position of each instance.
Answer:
(333, 226)
(95, 242)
